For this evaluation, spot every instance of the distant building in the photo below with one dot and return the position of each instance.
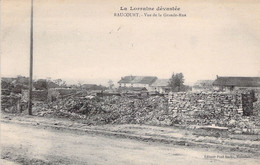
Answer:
(137, 81)
(203, 85)
(232, 83)
(160, 85)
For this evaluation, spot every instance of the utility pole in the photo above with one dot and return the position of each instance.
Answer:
(31, 63)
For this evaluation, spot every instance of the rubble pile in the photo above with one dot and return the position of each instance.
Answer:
(213, 108)
(220, 109)
(109, 109)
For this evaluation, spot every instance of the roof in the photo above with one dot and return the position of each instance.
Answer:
(138, 79)
(237, 81)
(126, 79)
(161, 83)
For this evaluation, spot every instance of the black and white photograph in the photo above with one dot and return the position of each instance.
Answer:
(130, 82)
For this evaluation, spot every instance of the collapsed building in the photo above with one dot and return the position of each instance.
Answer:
(238, 109)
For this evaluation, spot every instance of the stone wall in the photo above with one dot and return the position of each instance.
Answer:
(224, 104)
(238, 110)
(247, 104)
(10, 103)
(256, 104)
(214, 104)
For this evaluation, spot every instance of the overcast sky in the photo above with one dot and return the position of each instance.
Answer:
(82, 40)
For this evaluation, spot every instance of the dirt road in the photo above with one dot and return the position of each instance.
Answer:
(34, 145)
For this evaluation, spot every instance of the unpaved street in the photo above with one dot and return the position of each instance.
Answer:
(31, 145)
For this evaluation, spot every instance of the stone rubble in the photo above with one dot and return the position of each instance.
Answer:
(185, 109)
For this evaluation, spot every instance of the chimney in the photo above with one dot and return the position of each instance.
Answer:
(217, 76)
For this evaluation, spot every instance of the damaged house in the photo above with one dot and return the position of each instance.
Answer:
(234, 83)
(161, 86)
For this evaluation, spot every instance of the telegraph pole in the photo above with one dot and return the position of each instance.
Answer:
(31, 63)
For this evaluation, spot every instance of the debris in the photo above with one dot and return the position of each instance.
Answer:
(220, 110)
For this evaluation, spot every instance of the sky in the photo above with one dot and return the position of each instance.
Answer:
(81, 40)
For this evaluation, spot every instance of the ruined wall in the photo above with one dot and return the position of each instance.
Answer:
(247, 104)
(10, 103)
(256, 104)
(224, 104)
(218, 104)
